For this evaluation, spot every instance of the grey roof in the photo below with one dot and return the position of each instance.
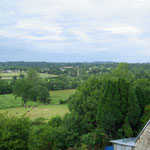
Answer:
(127, 142)
(142, 130)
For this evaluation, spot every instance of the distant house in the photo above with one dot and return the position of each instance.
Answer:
(6, 71)
(142, 142)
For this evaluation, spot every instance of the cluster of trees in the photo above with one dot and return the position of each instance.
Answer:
(71, 75)
(31, 88)
(5, 87)
(110, 106)
(62, 82)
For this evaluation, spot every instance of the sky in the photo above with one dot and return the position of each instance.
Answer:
(75, 30)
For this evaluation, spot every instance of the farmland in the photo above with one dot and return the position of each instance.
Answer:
(14, 106)
(44, 111)
(10, 75)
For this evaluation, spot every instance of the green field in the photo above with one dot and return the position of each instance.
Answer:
(56, 96)
(45, 75)
(9, 76)
(13, 106)
(45, 111)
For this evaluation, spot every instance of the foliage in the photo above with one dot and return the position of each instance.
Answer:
(43, 94)
(39, 121)
(93, 139)
(128, 132)
(118, 102)
(14, 132)
(22, 89)
(85, 103)
(122, 71)
(21, 75)
(30, 88)
(55, 121)
(5, 87)
(146, 116)
(142, 88)
(105, 107)
(40, 138)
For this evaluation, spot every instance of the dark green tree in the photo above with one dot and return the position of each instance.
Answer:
(43, 94)
(31, 88)
(22, 89)
(118, 108)
(21, 76)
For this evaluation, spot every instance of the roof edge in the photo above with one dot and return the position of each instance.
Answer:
(142, 130)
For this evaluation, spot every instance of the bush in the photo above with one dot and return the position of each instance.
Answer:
(5, 87)
(40, 138)
(14, 132)
(62, 101)
(55, 121)
(39, 121)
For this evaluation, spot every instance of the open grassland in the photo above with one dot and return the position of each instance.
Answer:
(9, 76)
(45, 75)
(45, 111)
(9, 101)
(56, 96)
(13, 106)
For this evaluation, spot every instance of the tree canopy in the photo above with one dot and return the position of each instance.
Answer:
(31, 88)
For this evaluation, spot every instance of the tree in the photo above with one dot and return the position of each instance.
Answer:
(142, 89)
(85, 103)
(145, 117)
(33, 77)
(22, 89)
(5, 87)
(43, 94)
(21, 76)
(31, 88)
(122, 71)
(119, 108)
(14, 78)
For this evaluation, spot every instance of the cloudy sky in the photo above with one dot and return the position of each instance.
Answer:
(75, 30)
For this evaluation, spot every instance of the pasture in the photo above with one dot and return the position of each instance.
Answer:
(58, 95)
(13, 106)
(8, 76)
(44, 111)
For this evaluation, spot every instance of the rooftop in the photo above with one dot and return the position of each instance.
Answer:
(127, 142)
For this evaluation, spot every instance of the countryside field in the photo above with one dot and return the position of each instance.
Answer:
(13, 106)
(8, 76)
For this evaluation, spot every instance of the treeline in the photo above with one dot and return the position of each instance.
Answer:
(110, 106)
(62, 82)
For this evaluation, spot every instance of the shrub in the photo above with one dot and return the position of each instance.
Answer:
(14, 132)
(55, 121)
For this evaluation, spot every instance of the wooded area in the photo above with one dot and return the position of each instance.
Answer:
(112, 101)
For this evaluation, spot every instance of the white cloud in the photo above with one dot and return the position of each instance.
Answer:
(81, 25)
(126, 30)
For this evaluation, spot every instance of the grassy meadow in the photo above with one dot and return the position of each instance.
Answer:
(8, 76)
(44, 111)
(56, 96)
(13, 106)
